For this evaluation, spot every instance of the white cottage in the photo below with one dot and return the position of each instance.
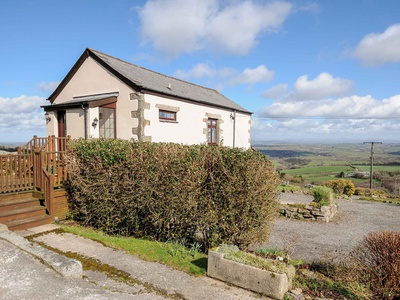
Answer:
(103, 96)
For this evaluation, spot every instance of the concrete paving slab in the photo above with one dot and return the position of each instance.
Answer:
(23, 277)
(174, 283)
(65, 266)
(25, 273)
(37, 230)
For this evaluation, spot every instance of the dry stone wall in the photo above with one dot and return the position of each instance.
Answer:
(309, 212)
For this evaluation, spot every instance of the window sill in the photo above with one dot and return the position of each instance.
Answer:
(168, 121)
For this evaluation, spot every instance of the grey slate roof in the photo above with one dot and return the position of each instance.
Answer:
(153, 81)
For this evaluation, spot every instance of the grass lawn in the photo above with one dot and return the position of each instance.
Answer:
(174, 254)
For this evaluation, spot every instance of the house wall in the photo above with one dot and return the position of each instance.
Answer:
(90, 79)
(93, 131)
(191, 123)
(75, 122)
(51, 126)
(137, 113)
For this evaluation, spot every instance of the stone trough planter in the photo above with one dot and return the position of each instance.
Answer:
(265, 282)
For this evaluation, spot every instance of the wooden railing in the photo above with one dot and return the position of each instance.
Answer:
(48, 190)
(15, 172)
(39, 164)
(52, 163)
(50, 143)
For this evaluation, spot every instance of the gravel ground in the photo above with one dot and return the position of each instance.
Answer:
(313, 241)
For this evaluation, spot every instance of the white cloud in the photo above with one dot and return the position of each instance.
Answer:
(253, 76)
(321, 87)
(175, 26)
(277, 92)
(347, 107)
(380, 48)
(21, 114)
(185, 26)
(346, 119)
(198, 71)
(235, 28)
(227, 76)
(48, 87)
(324, 85)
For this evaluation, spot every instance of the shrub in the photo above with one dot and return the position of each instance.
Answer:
(365, 192)
(169, 191)
(322, 195)
(342, 186)
(378, 262)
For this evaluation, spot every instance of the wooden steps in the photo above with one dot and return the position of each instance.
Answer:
(21, 211)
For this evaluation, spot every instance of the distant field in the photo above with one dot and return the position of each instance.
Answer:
(379, 168)
(325, 162)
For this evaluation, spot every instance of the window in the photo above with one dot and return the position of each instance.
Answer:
(167, 115)
(107, 122)
(212, 131)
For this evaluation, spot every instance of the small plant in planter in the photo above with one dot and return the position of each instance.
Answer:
(322, 208)
(271, 277)
(323, 196)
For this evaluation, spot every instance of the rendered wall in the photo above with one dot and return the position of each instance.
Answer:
(90, 79)
(191, 123)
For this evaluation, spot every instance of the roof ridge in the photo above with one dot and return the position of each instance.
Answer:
(181, 80)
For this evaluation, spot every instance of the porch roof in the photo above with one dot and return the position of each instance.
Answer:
(85, 101)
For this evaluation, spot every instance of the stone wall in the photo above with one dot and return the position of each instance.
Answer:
(309, 212)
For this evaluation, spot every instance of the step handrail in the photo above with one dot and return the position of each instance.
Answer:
(48, 190)
(49, 143)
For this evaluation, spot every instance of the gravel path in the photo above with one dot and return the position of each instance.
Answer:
(313, 241)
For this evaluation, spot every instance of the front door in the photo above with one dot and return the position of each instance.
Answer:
(62, 128)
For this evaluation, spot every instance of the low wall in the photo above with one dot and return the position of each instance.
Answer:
(309, 212)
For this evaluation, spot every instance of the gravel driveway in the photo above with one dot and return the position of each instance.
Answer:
(313, 241)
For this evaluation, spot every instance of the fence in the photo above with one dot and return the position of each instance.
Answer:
(39, 164)
(16, 172)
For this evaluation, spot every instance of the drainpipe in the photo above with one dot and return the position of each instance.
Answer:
(234, 127)
(85, 113)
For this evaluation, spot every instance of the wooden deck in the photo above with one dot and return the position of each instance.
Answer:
(38, 168)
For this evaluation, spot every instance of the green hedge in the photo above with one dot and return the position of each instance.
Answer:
(170, 191)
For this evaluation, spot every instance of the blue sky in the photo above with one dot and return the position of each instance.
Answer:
(310, 71)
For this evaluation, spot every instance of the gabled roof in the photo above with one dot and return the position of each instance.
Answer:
(143, 80)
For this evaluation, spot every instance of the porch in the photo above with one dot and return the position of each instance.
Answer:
(31, 183)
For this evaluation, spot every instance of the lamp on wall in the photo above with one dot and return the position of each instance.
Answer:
(47, 117)
(95, 121)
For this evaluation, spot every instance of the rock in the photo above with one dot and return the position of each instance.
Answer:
(293, 296)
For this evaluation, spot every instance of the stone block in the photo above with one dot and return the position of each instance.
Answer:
(261, 281)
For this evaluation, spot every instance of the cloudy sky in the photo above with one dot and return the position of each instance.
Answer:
(310, 70)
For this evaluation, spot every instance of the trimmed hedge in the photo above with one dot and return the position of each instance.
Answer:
(172, 192)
